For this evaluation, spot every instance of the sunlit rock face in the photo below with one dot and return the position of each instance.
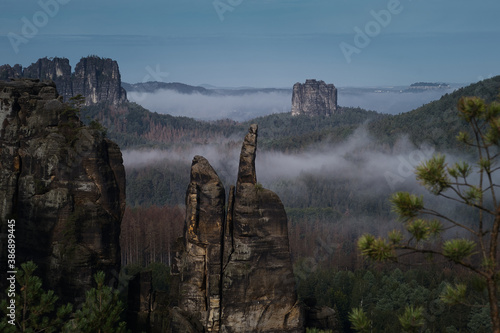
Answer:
(314, 98)
(234, 269)
(64, 184)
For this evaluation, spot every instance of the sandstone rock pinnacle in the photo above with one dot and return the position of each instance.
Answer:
(234, 270)
(258, 286)
(200, 263)
(246, 172)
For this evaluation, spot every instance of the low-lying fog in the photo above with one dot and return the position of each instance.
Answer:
(357, 158)
(251, 105)
(358, 165)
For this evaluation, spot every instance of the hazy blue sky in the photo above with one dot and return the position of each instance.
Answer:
(263, 43)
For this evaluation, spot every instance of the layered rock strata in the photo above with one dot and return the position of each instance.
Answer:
(63, 183)
(235, 273)
(314, 98)
(97, 79)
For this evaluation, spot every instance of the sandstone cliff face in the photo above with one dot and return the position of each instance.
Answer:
(63, 183)
(57, 70)
(235, 273)
(98, 80)
(7, 72)
(314, 98)
(95, 78)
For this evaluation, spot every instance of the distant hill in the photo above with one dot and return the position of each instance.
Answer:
(435, 123)
(134, 127)
(153, 86)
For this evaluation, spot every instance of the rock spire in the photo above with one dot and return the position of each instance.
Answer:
(235, 272)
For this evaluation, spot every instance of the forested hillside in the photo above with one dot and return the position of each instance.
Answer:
(435, 123)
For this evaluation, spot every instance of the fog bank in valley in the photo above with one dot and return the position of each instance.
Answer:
(357, 158)
(213, 107)
(252, 105)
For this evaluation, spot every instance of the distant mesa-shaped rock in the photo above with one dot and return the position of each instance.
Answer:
(98, 79)
(63, 183)
(314, 98)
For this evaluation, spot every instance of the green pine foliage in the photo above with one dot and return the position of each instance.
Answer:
(478, 251)
(37, 310)
(382, 298)
(360, 321)
(101, 312)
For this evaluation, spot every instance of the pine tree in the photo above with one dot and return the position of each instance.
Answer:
(479, 251)
(100, 312)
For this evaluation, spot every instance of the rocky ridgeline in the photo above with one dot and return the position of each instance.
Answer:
(97, 79)
(314, 98)
(63, 183)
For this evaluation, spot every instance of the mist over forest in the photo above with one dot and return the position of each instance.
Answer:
(249, 105)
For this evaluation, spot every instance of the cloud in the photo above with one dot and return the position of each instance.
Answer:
(393, 102)
(357, 158)
(212, 107)
(252, 105)
(357, 172)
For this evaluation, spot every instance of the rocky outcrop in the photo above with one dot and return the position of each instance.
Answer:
(314, 98)
(98, 79)
(64, 185)
(7, 72)
(235, 273)
(57, 70)
(322, 317)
